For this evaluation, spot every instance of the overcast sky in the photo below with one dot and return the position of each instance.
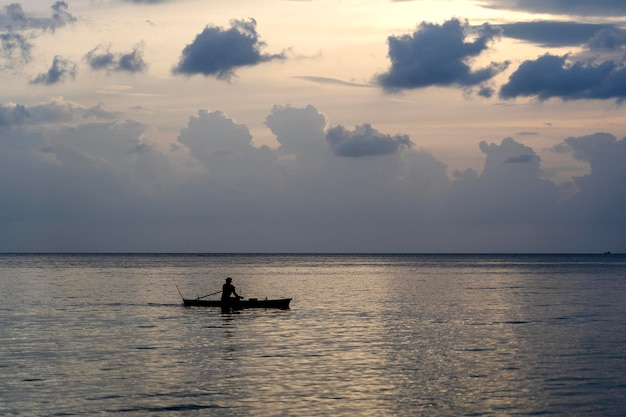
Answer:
(312, 126)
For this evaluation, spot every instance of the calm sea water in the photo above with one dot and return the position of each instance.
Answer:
(404, 335)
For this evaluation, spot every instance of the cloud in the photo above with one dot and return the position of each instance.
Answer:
(508, 152)
(12, 115)
(600, 199)
(132, 61)
(562, 7)
(219, 52)
(508, 193)
(70, 178)
(364, 140)
(287, 122)
(520, 159)
(325, 197)
(19, 29)
(553, 76)
(14, 18)
(61, 70)
(439, 55)
(225, 149)
(607, 39)
(101, 58)
(61, 16)
(333, 81)
(15, 49)
(70, 183)
(54, 111)
(554, 33)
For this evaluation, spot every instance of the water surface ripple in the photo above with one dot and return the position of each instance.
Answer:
(379, 335)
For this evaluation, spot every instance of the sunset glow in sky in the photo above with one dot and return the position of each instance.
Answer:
(312, 126)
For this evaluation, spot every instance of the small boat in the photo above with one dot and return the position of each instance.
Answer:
(281, 303)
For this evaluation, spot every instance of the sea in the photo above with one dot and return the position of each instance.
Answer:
(366, 335)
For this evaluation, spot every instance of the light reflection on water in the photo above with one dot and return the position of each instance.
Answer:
(366, 335)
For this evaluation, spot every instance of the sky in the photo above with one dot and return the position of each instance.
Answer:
(377, 126)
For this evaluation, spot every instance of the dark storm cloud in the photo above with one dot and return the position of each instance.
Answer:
(218, 52)
(61, 70)
(553, 33)
(553, 76)
(364, 140)
(562, 7)
(439, 55)
(101, 58)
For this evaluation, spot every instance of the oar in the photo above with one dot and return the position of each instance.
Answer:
(181, 294)
(208, 295)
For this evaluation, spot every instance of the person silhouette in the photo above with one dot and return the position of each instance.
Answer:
(228, 289)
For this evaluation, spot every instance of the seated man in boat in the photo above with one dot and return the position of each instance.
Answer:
(227, 289)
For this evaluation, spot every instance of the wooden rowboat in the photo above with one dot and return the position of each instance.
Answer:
(281, 303)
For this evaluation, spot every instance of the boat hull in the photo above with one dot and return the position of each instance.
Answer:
(281, 303)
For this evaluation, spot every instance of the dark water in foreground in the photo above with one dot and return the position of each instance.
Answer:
(432, 335)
